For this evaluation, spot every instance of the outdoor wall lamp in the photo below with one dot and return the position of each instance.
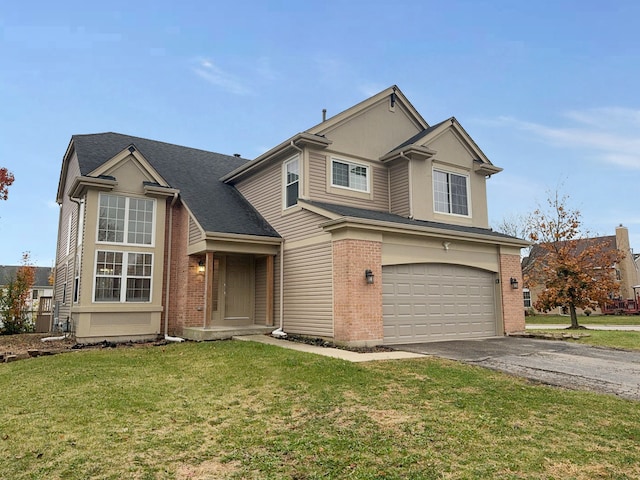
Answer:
(201, 266)
(514, 283)
(368, 274)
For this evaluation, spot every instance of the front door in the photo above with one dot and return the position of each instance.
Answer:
(236, 290)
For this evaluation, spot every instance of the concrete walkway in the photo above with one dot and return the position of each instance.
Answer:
(329, 352)
(628, 328)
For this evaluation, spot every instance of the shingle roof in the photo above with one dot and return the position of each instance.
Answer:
(420, 135)
(538, 253)
(218, 207)
(8, 273)
(345, 211)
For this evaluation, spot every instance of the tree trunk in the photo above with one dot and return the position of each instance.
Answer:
(574, 316)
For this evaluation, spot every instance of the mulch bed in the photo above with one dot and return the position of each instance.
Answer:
(323, 342)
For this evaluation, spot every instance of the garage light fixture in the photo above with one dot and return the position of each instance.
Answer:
(368, 274)
(514, 283)
(201, 266)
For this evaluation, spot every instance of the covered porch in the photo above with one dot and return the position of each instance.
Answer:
(236, 279)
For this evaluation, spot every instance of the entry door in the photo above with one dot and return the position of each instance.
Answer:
(238, 291)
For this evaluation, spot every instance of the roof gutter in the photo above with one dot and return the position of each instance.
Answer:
(392, 227)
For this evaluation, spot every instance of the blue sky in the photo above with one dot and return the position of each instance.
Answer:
(548, 89)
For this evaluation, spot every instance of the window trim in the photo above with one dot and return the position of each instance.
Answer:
(524, 299)
(123, 278)
(126, 222)
(350, 163)
(285, 184)
(468, 191)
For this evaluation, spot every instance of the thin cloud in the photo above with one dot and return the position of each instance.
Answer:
(611, 134)
(210, 72)
(371, 89)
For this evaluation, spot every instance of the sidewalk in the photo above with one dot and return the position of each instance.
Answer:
(329, 352)
(628, 328)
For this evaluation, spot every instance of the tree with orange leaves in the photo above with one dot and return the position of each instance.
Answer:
(14, 297)
(574, 271)
(6, 180)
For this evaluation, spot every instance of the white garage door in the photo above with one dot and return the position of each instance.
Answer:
(426, 302)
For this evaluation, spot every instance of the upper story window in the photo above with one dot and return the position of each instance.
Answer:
(450, 193)
(291, 182)
(125, 220)
(354, 176)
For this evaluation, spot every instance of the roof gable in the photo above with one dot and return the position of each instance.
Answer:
(217, 207)
(373, 127)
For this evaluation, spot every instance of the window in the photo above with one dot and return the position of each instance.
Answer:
(292, 182)
(450, 193)
(34, 295)
(123, 277)
(527, 297)
(350, 175)
(125, 220)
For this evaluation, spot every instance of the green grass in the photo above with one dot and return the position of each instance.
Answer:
(240, 410)
(602, 338)
(590, 320)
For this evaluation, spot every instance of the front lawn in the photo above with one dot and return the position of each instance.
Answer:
(599, 338)
(244, 410)
(583, 320)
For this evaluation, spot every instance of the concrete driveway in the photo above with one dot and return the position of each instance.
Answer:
(551, 362)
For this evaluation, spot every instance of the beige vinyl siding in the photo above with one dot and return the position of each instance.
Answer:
(67, 236)
(308, 294)
(319, 179)
(264, 192)
(260, 313)
(195, 234)
(399, 186)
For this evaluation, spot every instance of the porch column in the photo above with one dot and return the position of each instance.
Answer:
(208, 298)
(269, 307)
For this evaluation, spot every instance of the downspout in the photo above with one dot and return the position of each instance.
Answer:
(279, 332)
(410, 173)
(168, 275)
(75, 259)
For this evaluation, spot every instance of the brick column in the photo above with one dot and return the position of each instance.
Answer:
(512, 301)
(357, 305)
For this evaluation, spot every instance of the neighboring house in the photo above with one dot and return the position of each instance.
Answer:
(626, 272)
(42, 289)
(369, 228)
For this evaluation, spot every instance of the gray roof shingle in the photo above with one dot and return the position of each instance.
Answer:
(346, 211)
(8, 273)
(218, 207)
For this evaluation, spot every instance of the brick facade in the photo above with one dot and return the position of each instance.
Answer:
(187, 286)
(357, 305)
(512, 302)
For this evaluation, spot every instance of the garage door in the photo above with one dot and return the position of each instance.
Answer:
(427, 302)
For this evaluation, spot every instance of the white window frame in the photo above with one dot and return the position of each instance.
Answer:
(124, 276)
(286, 183)
(68, 249)
(126, 222)
(351, 163)
(525, 299)
(468, 192)
(79, 231)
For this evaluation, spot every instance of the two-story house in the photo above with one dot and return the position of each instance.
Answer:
(368, 228)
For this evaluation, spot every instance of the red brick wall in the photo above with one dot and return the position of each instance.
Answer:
(512, 301)
(187, 286)
(357, 306)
